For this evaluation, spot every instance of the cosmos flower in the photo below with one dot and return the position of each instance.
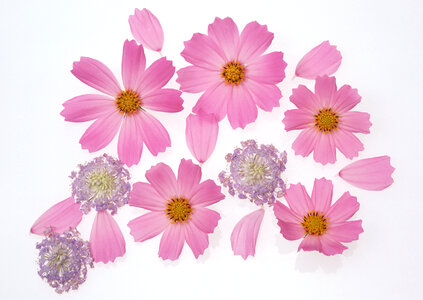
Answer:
(124, 108)
(178, 209)
(146, 29)
(64, 260)
(232, 71)
(322, 226)
(326, 120)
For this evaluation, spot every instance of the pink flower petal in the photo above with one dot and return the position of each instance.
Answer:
(305, 142)
(244, 236)
(130, 142)
(189, 176)
(172, 242)
(154, 135)
(155, 77)
(202, 51)
(163, 180)
(146, 29)
(268, 69)
(343, 209)
(345, 99)
(345, 232)
(325, 89)
(214, 101)
(206, 193)
(143, 195)
(96, 75)
(148, 226)
(224, 33)
(106, 239)
(87, 107)
(321, 197)
(284, 214)
(266, 96)
(310, 243)
(305, 99)
(166, 100)
(195, 79)
(197, 240)
(291, 231)
(355, 121)
(323, 59)
(347, 143)
(296, 119)
(254, 40)
(60, 217)
(298, 199)
(331, 247)
(325, 149)
(133, 64)
(242, 109)
(201, 135)
(374, 174)
(205, 219)
(101, 132)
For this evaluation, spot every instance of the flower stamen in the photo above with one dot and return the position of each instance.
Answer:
(326, 120)
(178, 210)
(233, 72)
(128, 102)
(315, 223)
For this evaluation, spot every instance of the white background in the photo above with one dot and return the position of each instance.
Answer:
(381, 43)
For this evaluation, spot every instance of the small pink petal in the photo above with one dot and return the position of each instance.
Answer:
(321, 197)
(172, 242)
(155, 77)
(343, 209)
(153, 133)
(106, 239)
(291, 231)
(244, 236)
(305, 142)
(214, 101)
(323, 59)
(254, 40)
(60, 217)
(146, 29)
(345, 99)
(347, 143)
(325, 149)
(189, 176)
(310, 243)
(196, 79)
(355, 121)
(148, 226)
(87, 107)
(165, 100)
(206, 193)
(201, 135)
(266, 96)
(133, 64)
(143, 195)
(130, 142)
(202, 51)
(330, 246)
(196, 239)
(242, 109)
(225, 34)
(298, 199)
(268, 69)
(205, 219)
(345, 232)
(374, 174)
(163, 180)
(296, 119)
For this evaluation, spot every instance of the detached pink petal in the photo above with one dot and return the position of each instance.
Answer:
(87, 107)
(201, 135)
(130, 142)
(373, 174)
(106, 239)
(133, 64)
(172, 242)
(148, 226)
(323, 59)
(244, 236)
(146, 29)
(165, 100)
(153, 133)
(60, 217)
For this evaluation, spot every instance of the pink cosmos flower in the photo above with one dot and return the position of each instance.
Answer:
(232, 71)
(146, 29)
(178, 209)
(124, 108)
(322, 226)
(326, 120)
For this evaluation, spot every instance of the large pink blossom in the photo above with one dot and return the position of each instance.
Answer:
(124, 108)
(178, 209)
(326, 120)
(232, 71)
(322, 226)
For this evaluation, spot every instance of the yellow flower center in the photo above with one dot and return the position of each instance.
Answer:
(315, 223)
(178, 210)
(233, 72)
(326, 120)
(128, 102)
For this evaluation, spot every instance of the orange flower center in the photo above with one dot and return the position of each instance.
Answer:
(128, 102)
(178, 210)
(315, 223)
(326, 120)
(233, 72)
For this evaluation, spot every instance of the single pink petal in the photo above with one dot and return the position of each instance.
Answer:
(214, 101)
(245, 233)
(155, 77)
(154, 135)
(305, 99)
(268, 69)
(205, 219)
(148, 226)
(133, 64)
(345, 232)
(330, 246)
(224, 33)
(202, 51)
(197, 240)
(201, 135)
(143, 195)
(172, 242)
(87, 107)
(347, 143)
(298, 200)
(310, 243)
(130, 142)
(206, 193)
(284, 214)
(60, 217)
(254, 40)
(242, 109)
(324, 149)
(101, 132)
(96, 75)
(296, 119)
(323, 59)
(325, 90)
(355, 121)
(195, 79)
(343, 209)
(189, 176)
(291, 231)
(266, 96)
(166, 100)
(106, 239)
(321, 197)
(373, 174)
(305, 142)
(163, 180)
(345, 99)
(146, 29)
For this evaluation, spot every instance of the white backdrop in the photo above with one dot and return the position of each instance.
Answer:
(381, 43)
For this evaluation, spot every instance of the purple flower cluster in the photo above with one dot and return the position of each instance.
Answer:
(64, 260)
(255, 173)
(101, 184)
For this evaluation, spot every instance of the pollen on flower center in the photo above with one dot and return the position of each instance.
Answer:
(178, 210)
(233, 72)
(128, 102)
(101, 182)
(326, 120)
(315, 223)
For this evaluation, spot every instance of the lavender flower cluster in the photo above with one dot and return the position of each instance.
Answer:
(64, 260)
(101, 184)
(255, 173)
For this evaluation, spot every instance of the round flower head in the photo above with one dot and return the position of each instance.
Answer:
(255, 173)
(101, 184)
(64, 260)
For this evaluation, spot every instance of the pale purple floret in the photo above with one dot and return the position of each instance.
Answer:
(255, 173)
(64, 260)
(101, 184)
